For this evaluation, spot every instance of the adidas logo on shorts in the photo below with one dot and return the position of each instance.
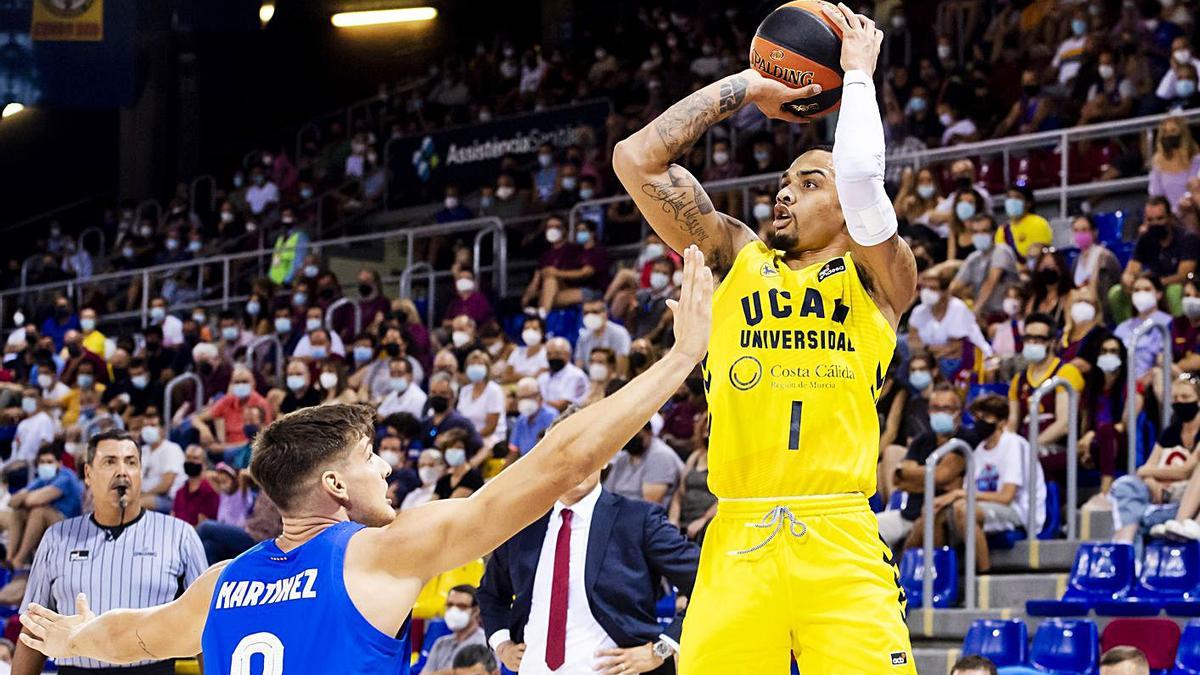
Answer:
(899, 658)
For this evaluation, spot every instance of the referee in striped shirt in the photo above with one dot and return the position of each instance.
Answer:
(121, 555)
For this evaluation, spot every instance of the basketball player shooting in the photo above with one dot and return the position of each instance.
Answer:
(332, 593)
(803, 330)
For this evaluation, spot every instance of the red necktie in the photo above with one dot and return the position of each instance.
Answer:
(556, 634)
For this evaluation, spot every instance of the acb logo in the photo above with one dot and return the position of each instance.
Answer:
(745, 373)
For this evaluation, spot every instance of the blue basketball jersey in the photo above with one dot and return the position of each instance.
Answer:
(274, 613)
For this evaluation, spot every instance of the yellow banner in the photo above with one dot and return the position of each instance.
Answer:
(68, 20)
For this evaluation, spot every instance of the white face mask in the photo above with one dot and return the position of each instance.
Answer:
(762, 211)
(593, 321)
(527, 406)
(505, 191)
(150, 435)
(982, 242)
(720, 158)
(242, 390)
(45, 381)
(457, 618)
(312, 324)
(460, 338)
(88, 325)
(944, 51)
(1083, 312)
(598, 372)
(1106, 71)
(464, 285)
(531, 337)
(329, 380)
(554, 235)
(456, 456)
(1108, 363)
(1011, 306)
(1034, 353)
(1145, 301)
(451, 202)
(659, 280)
(391, 457)
(930, 297)
(398, 384)
(677, 278)
(428, 474)
(1182, 55)
(652, 252)
(477, 372)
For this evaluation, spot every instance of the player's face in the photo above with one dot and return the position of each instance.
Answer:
(365, 475)
(807, 212)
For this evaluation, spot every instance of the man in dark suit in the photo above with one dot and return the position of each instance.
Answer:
(575, 592)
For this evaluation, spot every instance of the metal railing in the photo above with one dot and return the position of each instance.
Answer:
(1131, 413)
(197, 395)
(338, 304)
(252, 352)
(953, 445)
(406, 287)
(99, 232)
(1035, 405)
(212, 192)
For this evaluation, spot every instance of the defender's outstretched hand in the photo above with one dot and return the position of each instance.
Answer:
(860, 39)
(50, 632)
(693, 310)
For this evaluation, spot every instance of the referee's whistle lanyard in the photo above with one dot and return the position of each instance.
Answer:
(777, 519)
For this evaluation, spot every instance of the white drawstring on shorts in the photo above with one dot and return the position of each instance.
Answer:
(775, 518)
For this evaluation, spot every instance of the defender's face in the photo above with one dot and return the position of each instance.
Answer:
(807, 212)
(365, 475)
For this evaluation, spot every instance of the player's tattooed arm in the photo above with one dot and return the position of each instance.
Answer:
(685, 122)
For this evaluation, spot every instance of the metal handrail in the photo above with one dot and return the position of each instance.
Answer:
(170, 388)
(300, 137)
(99, 231)
(341, 302)
(141, 207)
(499, 252)
(1035, 404)
(251, 357)
(1131, 386)
(212, 191)
(406, 287)
(952, 445)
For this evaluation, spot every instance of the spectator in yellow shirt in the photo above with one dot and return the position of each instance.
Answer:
(1024, 227)
(85, 383)
(93, 340)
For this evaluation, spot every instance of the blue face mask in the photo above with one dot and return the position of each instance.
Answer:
(916, 104)
(47, 471)
(319, 353)
(1014, 207)
(942, 423)
(1078, 26)
(363, 354)
(582, 237)
(920, 379)
(964, 210)
(1185, 88)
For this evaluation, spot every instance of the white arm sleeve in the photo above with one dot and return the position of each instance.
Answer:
(858, 163)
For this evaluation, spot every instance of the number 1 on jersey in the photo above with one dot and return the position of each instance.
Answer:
(794, 426)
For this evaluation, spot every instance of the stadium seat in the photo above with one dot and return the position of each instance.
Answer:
(1004, 642)
(945, 576)
(1065, 646)
(1100, 572)
(897, 501)
(565, 322)
(665, 608)
(1157, 638)
(1111, 228)
(1001, 541)
(1187, 657)
(1170, 572)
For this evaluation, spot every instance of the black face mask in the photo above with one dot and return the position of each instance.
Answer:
(1157, 232)
(439, 404)
(985, 429)
(1030, 90)
(326, 293)
(635, 446)
(392, 349)
(205, 368)
(191, 339)
(637, 360)
(62, 311)
(193, 469)
(1171, 142)
(557, 364)
(962, 183)
(1185, 412)
(152, 346)
(1048, 276)
(366, 290)
(74, 350)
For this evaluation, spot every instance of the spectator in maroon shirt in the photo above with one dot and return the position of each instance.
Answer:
(680, 414)
(76, 355)
(196, 501)
(562, 258)
(468, 301)
(373, 304)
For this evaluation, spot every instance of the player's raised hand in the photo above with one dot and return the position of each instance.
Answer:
(49, 632)
(772, 96)
(693, 310)
(860, 39)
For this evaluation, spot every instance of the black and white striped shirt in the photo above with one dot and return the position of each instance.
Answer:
(149, 563)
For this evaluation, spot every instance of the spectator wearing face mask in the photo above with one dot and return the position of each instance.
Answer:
(483, 402)
(373, 305)
(332, 378)
(1096, 267)
(36, 428)
(136, 388)
(962, 172)
(461, 478)
(443, 416)
(463, 339)
(1103, 414)
(1163, 249)
(318, 343)
(299, 390)
(960, 243)
(1071, 51)
(646, 469)
(263, 193)
(957, 127)
(225, 537)
(722, 166)
(172, 327)
(430, 469)
(54, 495)
(162, 463)
(601, 369)
(1147, 302)
(231, 411)
(599, 332)
(1176, 159)
(944, 324)
(529, 358)
(74, 356)
(1024, 227)
(533, 418)
(545, 177)
(462, 618)
(63, 320)
(468, 300)
(922, 122)
(566, 192)
(649, 317)
(1181, 55)
(1029, 112)
(762, 157)
(1049, 285)
(508, 202)
(564, 384)
(291, 249)
(452, 208)
(1185, 330)
(988, 272)
(918, 198)
(562, 257)
(196, 501)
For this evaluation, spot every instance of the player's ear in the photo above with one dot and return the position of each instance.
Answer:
(333, 484)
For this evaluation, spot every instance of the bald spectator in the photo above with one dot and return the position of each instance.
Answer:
(565, 384)
(534, 417)
(1124, 661)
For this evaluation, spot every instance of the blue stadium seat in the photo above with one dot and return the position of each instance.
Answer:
(665, 608)
(434, 629)
(1187, 659)
(897, 501)
(1110, 228)
(1101, 572)
(876, 503)
(566, 323)
(1123, 251)
(1170, 572)
(945, 576)
(1002, 541)
(1004, 642)
(1065, 646)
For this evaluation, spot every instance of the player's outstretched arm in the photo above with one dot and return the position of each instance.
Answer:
(124, 636)
(445, 534)
(858, 152)
(668, 195)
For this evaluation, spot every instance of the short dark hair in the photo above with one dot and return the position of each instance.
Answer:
(51, 449)
(1041, 318)
(475, 655)
(946, 388)
(405, 424)
(1124, 654)
(974, 662)
(110, 435)
(824, 147)
(990, 404)
(467, 589)
(1158, 200)
(287, 452)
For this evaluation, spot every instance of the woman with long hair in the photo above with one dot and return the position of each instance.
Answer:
(1050, 285)
(1084, 329)
(1176, 158)
(1104, 414)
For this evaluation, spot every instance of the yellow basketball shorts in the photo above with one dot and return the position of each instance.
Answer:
(796, 575)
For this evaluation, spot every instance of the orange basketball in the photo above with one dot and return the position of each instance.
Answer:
(798, 45)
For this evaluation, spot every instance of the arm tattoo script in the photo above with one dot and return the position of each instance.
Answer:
(683, 123)
(142, 644)
(683, 199)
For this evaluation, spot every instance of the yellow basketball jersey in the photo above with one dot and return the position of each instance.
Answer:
(794, 367)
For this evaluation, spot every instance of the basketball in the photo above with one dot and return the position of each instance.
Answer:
(798, 45)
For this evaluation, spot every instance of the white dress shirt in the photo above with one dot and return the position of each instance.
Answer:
(412, 401)
(585, 636)
(569, 384)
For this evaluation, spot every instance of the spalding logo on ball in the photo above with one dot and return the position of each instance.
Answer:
(799, 45)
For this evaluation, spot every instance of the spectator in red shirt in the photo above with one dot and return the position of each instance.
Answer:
(196, 501)
(230, 409)
(563, 257)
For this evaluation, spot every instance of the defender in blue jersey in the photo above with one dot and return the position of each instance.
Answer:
(334, 592)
